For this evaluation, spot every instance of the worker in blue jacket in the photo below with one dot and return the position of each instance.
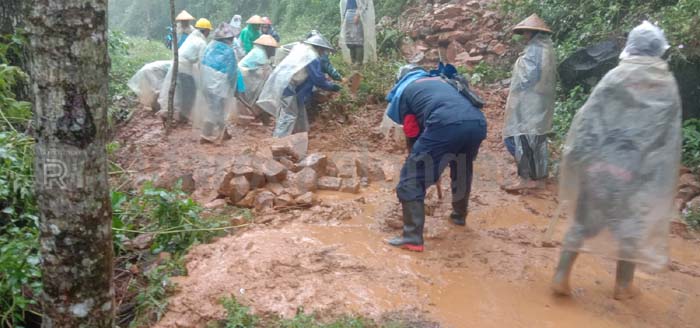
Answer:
(442, 128)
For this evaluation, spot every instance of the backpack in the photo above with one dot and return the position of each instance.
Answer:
(450, 75)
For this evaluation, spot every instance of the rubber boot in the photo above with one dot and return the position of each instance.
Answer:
(413, 221)
(459, 211)
(560, 282)
(624, 286)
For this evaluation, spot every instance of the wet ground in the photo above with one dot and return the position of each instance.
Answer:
(332, 259)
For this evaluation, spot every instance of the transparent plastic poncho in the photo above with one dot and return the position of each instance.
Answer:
(365, 8)
(190, 55)
(620, 164)
(530, 105)
(146, 83)
(255, 69)
(216, 91)
(299, 57)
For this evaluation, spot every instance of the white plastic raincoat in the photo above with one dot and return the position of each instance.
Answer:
(190, 55)
(147, 81)
(365, 8)
(255, 68)
(621, 162)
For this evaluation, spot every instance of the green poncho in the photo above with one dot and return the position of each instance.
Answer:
(249, 34)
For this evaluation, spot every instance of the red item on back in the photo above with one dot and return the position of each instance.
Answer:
(410, 126)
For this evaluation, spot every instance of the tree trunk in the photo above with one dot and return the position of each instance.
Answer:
(70, 71)
(173, 79)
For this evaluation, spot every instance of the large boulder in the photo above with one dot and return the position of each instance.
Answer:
(306, 199)
(350, 185)
(239, 188)
(272, 170)
(305, 180)
(318, 162)
(370, 169)
(264, 200)
(329, 183)
(294, 146)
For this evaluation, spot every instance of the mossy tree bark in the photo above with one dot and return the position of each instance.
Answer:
(69, 69)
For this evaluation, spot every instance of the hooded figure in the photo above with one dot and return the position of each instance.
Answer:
(255, 68)
(291, 85)
(530, 105)
(236, 25)
(251, 33)
(358, 40)
(188, 73)
(219, 78)
(620, 164)
(147, 81)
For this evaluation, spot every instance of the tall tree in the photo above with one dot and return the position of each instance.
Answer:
(70, 66)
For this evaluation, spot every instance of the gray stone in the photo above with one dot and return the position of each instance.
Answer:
(370, 169)
(329, 183)
(346, 168)
(305, 180)
(264, 200)
(239, 187)
(284, 200)
(273, 170)
(350, 185)
(275, 188)
(249, 200)
(331, 168)
(294, 146)
(306, 199)
(318, 162)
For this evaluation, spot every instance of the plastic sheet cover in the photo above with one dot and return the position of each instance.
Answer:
(365, 9)
(530, 105)
(620, 164)
(190, 55)
(147, 81)
(299, 57)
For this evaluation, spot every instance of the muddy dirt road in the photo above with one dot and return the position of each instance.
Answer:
(332, 259)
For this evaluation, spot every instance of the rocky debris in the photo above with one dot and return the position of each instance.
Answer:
(264, 200)
(239, 187)
(273, 171)
(307, 199)
(329, 183)
(689, 180)
(249, 200)
(694, 203)
(288, 164)
(215, 204)
(331, 168)
(350, 185)
(370, 169)
(284, 201)
(141, 242)
(276, 188)
(318, 162)
(185, 181)
(688, 190)
(346, 167)
(294, 146)
(305, 180)
(465, 30)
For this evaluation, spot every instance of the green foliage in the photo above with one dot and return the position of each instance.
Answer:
(565, 108)
(17, 201)
(171, 216)
(13, 114)
(691, 143)
(304, 320)
(483, 73)
(152, 297)
(389, 42)
(578, 23)
(20, 278)
(691, 216)
(128, 55)
(237, 315)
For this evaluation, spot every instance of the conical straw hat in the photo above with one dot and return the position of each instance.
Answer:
(532, 23)
(184, 16)
(256, 19)
(267, 40)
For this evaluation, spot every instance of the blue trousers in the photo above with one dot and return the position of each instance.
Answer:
(456, 145)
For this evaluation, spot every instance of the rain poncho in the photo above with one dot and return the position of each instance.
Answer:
(363, 34)
(530, 106)
(249, 34)
(218, 86)
(187, 78)
(182, 33)
(288, 75)
(147, 81)
(621, 161)
(255, 69)
(236, 24)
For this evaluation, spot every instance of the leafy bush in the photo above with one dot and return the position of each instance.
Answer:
(691, 215)
(237, 315)
(691, 143)
(128, 55)
(565, 108)
(20, 279)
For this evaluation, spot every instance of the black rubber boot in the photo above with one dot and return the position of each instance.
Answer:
(624, 287)
(459, 211)
(560, 282)
(413, 221)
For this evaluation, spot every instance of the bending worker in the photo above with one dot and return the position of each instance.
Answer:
(255, 68)
(291, 84)
(443, 128)
(620, 164)
(530, 105)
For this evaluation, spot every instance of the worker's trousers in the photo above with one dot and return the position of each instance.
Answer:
(456, 145)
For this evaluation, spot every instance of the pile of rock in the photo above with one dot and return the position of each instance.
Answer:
(464, 32)
(288, 177)
(688, 190)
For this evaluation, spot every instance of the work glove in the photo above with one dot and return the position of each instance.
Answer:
(336, 88)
